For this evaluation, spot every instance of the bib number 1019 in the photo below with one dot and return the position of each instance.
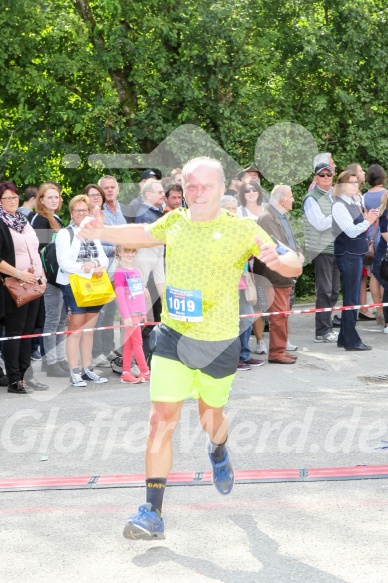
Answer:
(184, 305)
(181, 304)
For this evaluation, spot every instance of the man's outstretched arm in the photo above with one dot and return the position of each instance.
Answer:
(289, 265)
(133, 235)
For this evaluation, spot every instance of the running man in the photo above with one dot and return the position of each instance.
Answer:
(197, 344)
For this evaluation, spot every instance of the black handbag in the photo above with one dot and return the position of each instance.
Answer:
(370, 254)
(384, 268)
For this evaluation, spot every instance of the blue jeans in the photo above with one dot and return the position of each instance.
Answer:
(245, 327)
(71, 304)
(350, 267)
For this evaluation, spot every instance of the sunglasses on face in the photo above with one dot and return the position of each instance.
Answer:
(251, 190)
(325, 175)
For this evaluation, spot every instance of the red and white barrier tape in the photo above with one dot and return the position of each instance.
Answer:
(314, 310)
(67, 332)
(256, 314)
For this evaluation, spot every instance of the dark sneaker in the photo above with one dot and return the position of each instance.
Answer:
(90, 375)
(337, 320)
(35, 355)
(144, 525)
(223, 474)
(254, 362)
(19, 388)
(243, 366)
(64, 365)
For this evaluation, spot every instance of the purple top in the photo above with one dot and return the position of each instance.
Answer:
(372, 200)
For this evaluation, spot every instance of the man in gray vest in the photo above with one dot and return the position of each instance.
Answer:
(319, 242)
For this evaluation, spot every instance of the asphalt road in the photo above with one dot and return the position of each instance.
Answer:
(318, 413)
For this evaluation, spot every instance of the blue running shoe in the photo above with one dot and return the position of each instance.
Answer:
(223, 474)
(144, 525)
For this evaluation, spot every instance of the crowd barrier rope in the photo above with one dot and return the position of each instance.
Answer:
(254, 315)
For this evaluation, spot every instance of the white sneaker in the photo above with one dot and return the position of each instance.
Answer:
(386, 330)
(290, 347)
(89, 375)
(76, 380)
(101, 361)
(261, 348)
(328, 337)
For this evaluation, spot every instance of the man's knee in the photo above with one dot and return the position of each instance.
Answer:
(163, 419)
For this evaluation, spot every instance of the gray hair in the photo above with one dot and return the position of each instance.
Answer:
(278, 192)
(110, 178)
(148, 186)
(323, 158)
(191, 165)
(227, 198)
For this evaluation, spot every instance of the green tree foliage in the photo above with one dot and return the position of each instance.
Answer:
(109, 76)
(90, 76)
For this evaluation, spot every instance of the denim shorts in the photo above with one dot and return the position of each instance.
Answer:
(71, 306)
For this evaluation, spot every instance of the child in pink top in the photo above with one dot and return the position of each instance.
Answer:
(132, 307)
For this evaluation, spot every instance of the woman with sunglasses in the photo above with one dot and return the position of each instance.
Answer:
(350, 246)
(251, 199)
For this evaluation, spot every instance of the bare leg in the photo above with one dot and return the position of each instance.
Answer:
(86, 342)
(76, 322)
(214, 421)
(363, 299)
(258, 326)
(164, 418)
(375, 290)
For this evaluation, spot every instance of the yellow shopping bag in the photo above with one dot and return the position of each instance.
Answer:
(96, 291)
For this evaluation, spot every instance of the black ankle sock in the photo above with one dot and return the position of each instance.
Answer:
(155, 492)
(218, 452)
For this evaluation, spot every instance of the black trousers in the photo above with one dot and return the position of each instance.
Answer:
(327, 287)
(17, 353)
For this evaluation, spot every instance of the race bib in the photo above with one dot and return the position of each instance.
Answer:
(184, 305)
(135, 285)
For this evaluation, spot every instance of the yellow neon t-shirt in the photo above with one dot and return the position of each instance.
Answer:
(204, 263)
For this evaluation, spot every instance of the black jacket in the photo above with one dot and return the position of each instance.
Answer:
(7, 253)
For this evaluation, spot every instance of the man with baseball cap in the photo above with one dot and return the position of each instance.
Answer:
(319, 245)
(150, 174)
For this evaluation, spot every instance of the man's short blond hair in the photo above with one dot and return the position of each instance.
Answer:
(193, 164)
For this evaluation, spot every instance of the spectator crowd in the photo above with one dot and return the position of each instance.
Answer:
(343, 220)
